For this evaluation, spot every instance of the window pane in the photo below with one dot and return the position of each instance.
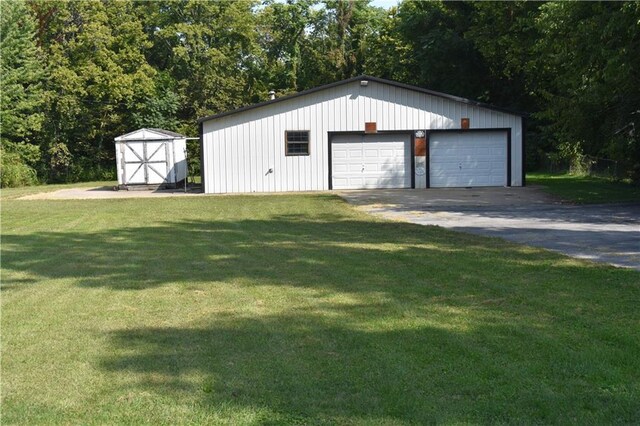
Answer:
(298, 136)
(297, 142)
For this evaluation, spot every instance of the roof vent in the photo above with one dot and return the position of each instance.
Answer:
(272, 94)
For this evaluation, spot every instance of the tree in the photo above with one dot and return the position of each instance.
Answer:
(99, 77)
(439, 56)
(588, 57)
(207, 48)
(22, 93)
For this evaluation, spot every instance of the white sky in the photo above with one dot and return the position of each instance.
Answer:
(384, 3)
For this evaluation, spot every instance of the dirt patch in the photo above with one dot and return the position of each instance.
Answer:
(107, 192)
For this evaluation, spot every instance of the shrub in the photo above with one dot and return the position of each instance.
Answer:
(14, 171)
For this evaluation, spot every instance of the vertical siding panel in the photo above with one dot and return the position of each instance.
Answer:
(286, 175)
(262, 156)
(382, 115)
(239, 157)
(275, 137)
(252, 146)
(235, 153)
(390, 107)
(243, 176)
(211, 154)
(318, 145)
(214, 137)
(374, 105)
(249, 146)
(481, 118)
(404, 110)
(302, 161)
(221, 161)
(266, 137)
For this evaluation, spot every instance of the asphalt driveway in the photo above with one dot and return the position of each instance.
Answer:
(602, 233)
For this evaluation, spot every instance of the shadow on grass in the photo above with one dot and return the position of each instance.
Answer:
(328, 252)
(543, 338)
(308, 369)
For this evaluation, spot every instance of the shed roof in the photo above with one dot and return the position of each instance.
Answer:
(150, 134)
(368, 78)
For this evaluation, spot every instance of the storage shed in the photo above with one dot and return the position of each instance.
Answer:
(153, 157)
(363, 132)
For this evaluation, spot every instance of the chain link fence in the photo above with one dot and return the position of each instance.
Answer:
(586, 165)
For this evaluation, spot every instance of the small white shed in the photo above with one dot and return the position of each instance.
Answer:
(151, 157)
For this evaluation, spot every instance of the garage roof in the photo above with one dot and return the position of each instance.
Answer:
(369, 78)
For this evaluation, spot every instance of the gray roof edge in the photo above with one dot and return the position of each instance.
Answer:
(168, 133)
(370, 78)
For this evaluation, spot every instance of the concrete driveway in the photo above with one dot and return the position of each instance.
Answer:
(601, 233)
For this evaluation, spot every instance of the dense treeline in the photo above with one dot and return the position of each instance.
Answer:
(77, 74)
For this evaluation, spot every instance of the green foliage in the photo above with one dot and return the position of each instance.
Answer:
(99, 78)
(22, 74)
(59, 160)
(14, 168)
(587, 58)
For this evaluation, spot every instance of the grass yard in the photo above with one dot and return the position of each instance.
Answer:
(586, 189)
(298, 309)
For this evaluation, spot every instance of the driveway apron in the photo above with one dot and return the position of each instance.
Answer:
(602, 233)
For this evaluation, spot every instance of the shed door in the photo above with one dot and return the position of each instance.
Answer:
(145, 162)
(370, 161)
(467, 159)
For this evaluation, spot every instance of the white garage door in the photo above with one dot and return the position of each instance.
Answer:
(467, 159)
(371, 161)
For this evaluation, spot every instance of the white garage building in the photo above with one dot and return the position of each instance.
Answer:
(363, 132)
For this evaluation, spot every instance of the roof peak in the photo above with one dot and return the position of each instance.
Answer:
(369, 78)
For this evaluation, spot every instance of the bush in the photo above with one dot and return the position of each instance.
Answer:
(14, 171)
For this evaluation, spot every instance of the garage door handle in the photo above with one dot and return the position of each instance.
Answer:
(460, 166)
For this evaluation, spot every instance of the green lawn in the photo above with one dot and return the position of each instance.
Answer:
(297, 309)
(586, 189)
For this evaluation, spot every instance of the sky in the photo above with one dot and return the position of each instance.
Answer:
(384, 3)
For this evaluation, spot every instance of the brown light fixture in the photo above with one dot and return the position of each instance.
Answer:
(370, 127)
(464, 123)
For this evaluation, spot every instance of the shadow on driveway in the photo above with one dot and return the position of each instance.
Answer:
(606, 233)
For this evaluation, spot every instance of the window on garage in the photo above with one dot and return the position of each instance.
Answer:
(297, 142)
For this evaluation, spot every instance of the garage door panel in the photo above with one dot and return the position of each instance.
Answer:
(374, 161)
(467, 159)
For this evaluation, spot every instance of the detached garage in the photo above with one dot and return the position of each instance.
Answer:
(361, 133)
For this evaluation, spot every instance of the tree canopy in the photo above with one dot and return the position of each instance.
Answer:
(77, 74)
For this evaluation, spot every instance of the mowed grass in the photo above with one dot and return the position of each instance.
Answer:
(298, 309)
(586, 189)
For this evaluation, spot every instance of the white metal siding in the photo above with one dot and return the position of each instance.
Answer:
(467, 159)
(239, 149)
